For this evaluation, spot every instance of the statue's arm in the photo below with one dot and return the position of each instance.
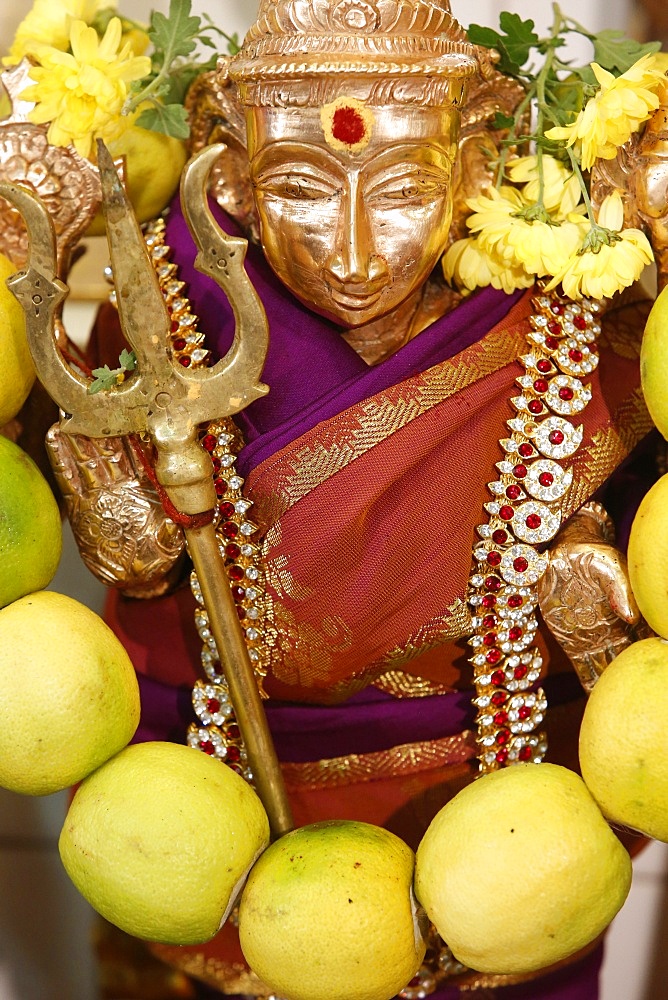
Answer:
(124, 537)
(585, 596)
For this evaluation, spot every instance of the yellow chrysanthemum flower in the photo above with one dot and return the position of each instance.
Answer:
(508, 235)
(48, 23)
(542, 248)
(561, 188)
(610, 259)
(616, 111)
(81, 95)
(469, 267)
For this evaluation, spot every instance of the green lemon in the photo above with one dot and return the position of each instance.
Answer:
(153, 166)
(30, 526)
(520, 869)
(328, 912)
(624, 739)
(69, 697)
(17, 372)
(159, 839)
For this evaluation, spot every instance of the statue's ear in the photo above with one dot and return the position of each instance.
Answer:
(216, 115)
(490, 94)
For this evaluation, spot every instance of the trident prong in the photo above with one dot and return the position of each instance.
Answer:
(166, 402)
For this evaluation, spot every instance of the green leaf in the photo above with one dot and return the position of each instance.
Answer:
(176, 34)
(109, 378)
(105, 378)
(128, 360)
(520, 36)
(617, 53)
(513, 46)
(502, 121)
(168, 119)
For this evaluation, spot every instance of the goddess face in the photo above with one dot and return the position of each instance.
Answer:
(354, 201)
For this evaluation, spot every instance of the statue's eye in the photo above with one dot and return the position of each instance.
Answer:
(406, 188)
(295, 186)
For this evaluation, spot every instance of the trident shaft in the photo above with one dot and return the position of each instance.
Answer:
(165, 402)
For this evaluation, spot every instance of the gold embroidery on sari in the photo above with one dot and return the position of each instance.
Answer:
(403, 685)
(609, 447)
(408, 758)
(232, 976)
(342, 442)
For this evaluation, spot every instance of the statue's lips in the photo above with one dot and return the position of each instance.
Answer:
(361, 299)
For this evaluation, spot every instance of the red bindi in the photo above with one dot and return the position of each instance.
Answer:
(348, 125)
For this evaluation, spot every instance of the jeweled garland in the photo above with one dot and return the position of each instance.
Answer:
(523, 516)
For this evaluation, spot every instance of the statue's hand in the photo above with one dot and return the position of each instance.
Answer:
(117, 519)
(585, 596)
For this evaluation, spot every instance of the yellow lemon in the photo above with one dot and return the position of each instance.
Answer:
(654, 362)
(648, 556)
(69, 697)
(533, 833)
(328, 912)
(624, 739)
(153, 167)
(159, 839)
(17, 372)
(30, 527)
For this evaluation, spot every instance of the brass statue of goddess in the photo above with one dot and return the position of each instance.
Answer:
(349, 510)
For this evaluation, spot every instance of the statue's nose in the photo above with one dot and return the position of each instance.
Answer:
(353, 259)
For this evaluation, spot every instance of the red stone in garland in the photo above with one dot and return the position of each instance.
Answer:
(580, 322)
(551, 343)
(492, 583)
(226, 509)
(502, 736)
(494, 656)
(520, 471)
(520, 565)
(525, 450)
(544, 366)
(498, 679)
(236, 572)
(499, 536)
(546, 479)
(515, 601)
(209, 442)
(501, 756)
(525, 753)
(212, 706)
(556, 437)
(506, 513)
(500, 718)
(489, 600)
(499, 697)
(566, 393)
(575, 355)
(232, 550)
(533, 521)
(208, 747)
(514, 633)
(489, 639)
(541, 385)
(524, 711)
(535, 406)
(520, 671)
(230, 529)
(493, 558)
(513, 492)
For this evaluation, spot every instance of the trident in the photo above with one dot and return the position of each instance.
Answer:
(165, 402)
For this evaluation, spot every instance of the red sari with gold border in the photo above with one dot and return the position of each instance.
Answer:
(368, 485)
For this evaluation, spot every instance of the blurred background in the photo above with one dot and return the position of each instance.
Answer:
(45, 926)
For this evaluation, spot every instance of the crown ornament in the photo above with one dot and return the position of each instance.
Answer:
(294, 39)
